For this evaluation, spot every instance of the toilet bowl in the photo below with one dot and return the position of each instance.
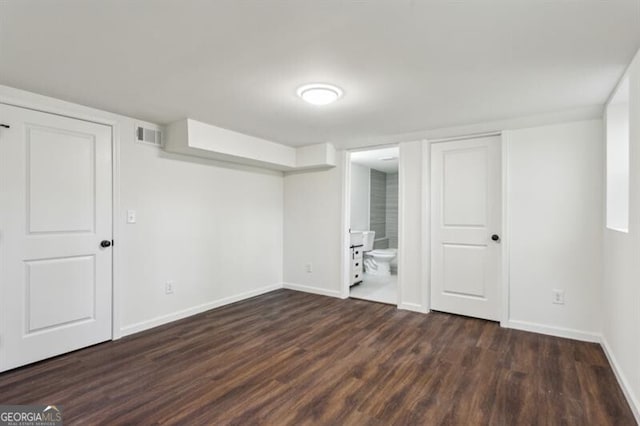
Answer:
(378, 262)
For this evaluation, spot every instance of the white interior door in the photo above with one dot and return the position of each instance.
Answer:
(466, 209)
(55, 199)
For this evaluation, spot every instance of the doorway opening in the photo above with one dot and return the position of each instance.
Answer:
(373, 224)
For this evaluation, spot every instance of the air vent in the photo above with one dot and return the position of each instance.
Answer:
(148, 135)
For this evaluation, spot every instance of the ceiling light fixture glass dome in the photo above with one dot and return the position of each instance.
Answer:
(319, 94)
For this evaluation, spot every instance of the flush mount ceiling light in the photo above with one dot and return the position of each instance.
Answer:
(387, 158)
(319, 94)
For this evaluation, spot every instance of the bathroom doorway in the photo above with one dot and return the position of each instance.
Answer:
(373, 224)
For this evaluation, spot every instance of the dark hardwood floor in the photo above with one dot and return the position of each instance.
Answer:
(295, 358)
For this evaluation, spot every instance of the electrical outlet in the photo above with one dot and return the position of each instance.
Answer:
(168, 287)
(558, 296)
(309, 267)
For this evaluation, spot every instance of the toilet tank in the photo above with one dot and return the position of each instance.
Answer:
(363, 238)
(367, 240)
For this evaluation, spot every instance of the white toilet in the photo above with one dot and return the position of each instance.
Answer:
(378, 262)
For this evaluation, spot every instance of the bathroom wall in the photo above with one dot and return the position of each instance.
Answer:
(378, 203)
(392, 209)
(360, 184)
(374, 204)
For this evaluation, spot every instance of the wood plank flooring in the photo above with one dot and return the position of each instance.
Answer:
(290, 358)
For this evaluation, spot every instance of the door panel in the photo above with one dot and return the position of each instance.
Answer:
(55, 279)
(60, 164)
(467, 281)
(68, 282)
(465, 187)
(465, 212)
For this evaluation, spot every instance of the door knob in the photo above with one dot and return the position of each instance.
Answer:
(495, 237)
(105, 243)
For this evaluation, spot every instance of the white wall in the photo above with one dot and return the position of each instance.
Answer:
(360, 197)
(554, 211)
(312, 229)
(621, 283)
(413, 262)
(215, 229)
(554, 208)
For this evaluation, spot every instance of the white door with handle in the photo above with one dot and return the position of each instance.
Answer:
(55, 235)
(466, 217)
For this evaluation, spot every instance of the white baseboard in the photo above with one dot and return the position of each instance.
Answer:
(587, 337)
(414, 307)
(314, 290)
(624, 384)
(184, 313)
(568, 333)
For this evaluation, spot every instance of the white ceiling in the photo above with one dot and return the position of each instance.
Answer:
(405, 65)
(374, 159)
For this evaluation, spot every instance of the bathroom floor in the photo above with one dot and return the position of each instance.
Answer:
(377, 289)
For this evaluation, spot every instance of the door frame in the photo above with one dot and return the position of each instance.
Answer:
(345, 262)
(504, 283)
(27, 100)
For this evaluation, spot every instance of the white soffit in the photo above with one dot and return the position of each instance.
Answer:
(198, 139)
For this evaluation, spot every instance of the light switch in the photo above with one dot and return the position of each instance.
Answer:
(131, 216)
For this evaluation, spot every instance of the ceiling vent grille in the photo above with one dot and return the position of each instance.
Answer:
(147, 134)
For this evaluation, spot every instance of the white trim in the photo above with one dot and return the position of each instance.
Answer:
(413, 307)
(425, 248)
(46, 104)
(362, 148)
(369, 198)
(466, 137)
(622, 380)
(522, 122)
(115, 234)
(311, 289)
(194, 310)
(567, 333)
(346, 219)
(400, 255)
(505, 288)
(344, 249)
(621, 230)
